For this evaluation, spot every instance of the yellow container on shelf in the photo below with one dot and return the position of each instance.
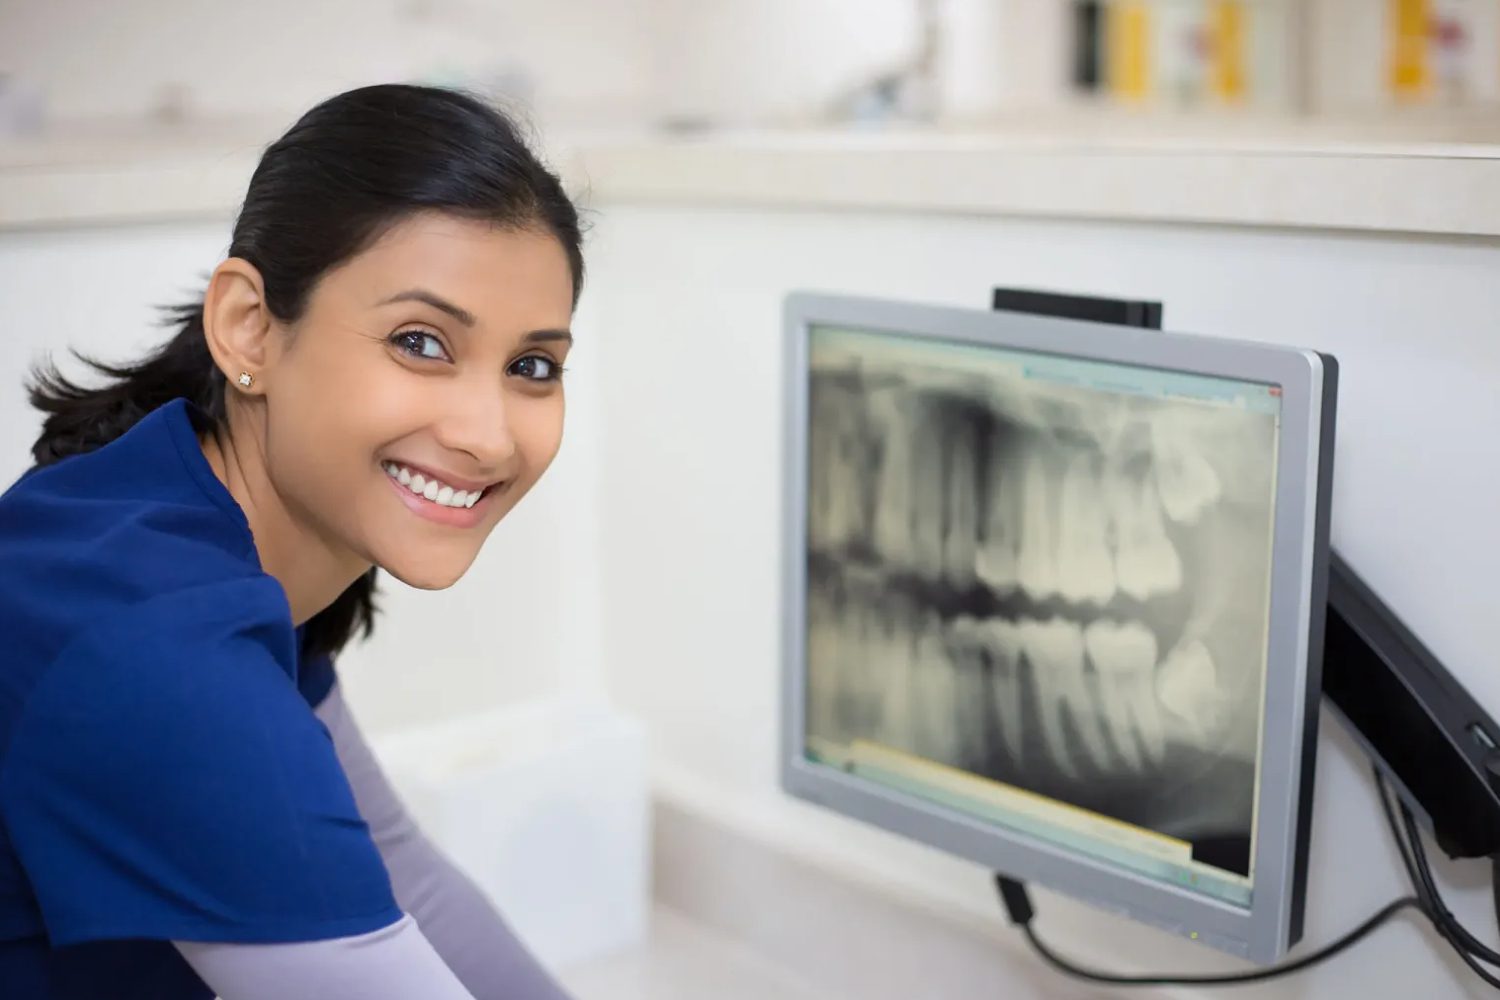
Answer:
(1409, 71)
(1128, 55)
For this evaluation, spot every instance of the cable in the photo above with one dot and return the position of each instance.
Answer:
(1414, 857)
(1495, 883)
(1429, 884)
(1012, 891)
(1428, 902)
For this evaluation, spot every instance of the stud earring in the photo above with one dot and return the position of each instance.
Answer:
(246, 379)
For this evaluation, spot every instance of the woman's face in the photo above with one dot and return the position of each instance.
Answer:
(428, 363)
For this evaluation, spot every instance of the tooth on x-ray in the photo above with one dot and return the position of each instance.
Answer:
(825, 638)
(1146, 562)
(934, 694)
(961, 533)
(1188, 685)
(893, 495)
(1036, 558)
(835, 473)
(891, 666)
(927, 494)
(995, 562)
(1085, 568)
(1002, 644)
(1185, 480)
(1124, 659)
(1054, 651)
(962, 649)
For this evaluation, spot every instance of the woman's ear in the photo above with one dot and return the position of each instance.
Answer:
(237, 324)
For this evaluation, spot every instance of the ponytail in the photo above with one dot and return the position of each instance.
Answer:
(80, 419)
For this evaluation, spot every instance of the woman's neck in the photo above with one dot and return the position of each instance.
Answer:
(311, 570)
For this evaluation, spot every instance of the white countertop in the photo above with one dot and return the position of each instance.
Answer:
(139, 173)
(683, 960)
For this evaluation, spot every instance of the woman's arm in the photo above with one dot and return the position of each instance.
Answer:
(393, 963)
(453, 915)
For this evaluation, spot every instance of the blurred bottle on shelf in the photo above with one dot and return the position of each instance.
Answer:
(1184, 53)
(1443, 53)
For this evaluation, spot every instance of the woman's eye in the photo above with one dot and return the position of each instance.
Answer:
(538, 368)
(420, 345)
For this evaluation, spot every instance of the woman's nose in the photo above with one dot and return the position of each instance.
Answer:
(477, 424)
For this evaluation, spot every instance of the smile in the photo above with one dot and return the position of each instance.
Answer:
(433, 489)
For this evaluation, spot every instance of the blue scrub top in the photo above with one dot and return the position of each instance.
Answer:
(162, 774)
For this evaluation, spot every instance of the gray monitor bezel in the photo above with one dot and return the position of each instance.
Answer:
(1261, 933)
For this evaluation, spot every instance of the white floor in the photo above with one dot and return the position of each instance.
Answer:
(683, 960)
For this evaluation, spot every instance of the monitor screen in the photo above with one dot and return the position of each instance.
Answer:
(1038, 592)
(1048, 592)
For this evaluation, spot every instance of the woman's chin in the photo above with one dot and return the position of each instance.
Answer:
(428, 573)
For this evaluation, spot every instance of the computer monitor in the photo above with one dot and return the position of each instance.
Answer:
(1054, 596)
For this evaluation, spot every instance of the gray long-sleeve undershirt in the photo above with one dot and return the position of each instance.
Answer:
(453, 945)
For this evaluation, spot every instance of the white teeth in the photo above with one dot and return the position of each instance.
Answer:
(1188, 685)
(1145, 561)
(1124, 658)
(1184, 479)
(1036, 559)
(1085, 569)
(1055, 651)
(431, 489)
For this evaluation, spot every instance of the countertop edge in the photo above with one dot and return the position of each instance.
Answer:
(1391, 192)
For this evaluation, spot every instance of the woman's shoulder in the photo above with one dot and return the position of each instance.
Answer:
(126, 531)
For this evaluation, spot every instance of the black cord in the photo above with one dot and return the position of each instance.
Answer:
(1374, 921)
(1495, 884)
(1440, 910)
(1428, 902)
(1414, 858)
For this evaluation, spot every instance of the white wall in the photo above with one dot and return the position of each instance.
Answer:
(691, 477)
(598, 62)
(585, 58)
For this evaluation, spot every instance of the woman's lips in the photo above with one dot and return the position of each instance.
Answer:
(456, 517)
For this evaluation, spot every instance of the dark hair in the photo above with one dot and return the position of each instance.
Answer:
(345, 173)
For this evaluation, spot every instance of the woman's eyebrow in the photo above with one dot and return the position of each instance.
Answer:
(436, 301)
(542, 336)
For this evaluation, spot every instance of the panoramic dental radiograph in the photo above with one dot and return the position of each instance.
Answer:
(1062, 587)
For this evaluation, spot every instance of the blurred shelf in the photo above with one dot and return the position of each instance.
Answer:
(1411, 177)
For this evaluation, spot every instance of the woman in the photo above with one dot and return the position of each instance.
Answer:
(370, 382)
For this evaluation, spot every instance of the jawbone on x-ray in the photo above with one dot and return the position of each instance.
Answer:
(1054, 586)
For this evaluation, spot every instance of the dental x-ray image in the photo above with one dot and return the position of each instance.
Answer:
(1058, 587)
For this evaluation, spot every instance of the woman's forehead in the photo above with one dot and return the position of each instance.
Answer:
(489, 271)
